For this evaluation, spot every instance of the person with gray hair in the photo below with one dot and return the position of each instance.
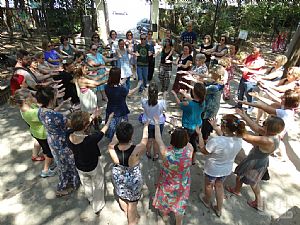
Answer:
(199, 71)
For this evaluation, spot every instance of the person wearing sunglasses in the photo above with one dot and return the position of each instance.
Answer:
(142, 52)
(51, 55)
(95, 39)
(113, 44)
(96, 62)
(219, 50)
(206, 48)
(130, 45)
(151, 64)
(43, 66)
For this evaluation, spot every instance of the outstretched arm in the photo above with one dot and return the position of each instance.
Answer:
(261, 105)
(262, 141)
(253, 125)
(132, 91)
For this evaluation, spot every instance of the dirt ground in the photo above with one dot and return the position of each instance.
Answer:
(25, 198)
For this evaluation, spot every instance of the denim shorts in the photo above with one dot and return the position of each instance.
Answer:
(212, 179)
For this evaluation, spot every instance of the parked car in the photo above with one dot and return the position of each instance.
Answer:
(143, 25)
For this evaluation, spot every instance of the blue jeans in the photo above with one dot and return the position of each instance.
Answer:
(244, 88)
(142, 72)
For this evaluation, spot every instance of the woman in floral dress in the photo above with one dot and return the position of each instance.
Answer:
(174, 184)
(56, 126)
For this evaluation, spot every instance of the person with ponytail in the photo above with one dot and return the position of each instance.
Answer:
(29, 112)
(153, 107)
(220, 153)
(192, 108)
(252, 169)
(56, 126)
(84, 88)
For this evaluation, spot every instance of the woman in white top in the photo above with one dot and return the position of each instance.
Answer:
(84, 85)
(123, 63)
(113, 44)
(220, 153)
(153, 107)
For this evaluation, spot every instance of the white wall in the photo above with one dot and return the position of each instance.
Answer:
(123, 15)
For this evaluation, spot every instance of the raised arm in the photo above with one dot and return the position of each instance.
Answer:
(141, 147)
(253, 125)
(158, 138)
(176, 97)
(112, 151)
(213, 123)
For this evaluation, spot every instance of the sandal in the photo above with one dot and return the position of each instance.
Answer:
(232, 191)
(61, 193)
(37, 158)
(155, 157)
(201, 196)
(254, 205)
(148, 154)
(217, 212)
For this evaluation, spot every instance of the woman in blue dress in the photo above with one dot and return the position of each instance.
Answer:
(56, 126)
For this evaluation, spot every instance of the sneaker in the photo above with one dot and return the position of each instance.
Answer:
(52, 166)
(250, 110)
(48, 173)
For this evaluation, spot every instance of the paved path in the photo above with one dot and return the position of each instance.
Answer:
(25, 198)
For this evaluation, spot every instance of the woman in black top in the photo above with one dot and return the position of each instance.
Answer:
(165, 68)
(86, 152)
(127, 177)
(66, 76)
(184, 63)
(206, 48)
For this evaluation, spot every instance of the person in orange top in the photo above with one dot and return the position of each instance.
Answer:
(254, 61)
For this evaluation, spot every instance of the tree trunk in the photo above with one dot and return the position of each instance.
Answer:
(46, 19)
(239, 18)
(94, 18)
(8, 20)
(293, 52)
